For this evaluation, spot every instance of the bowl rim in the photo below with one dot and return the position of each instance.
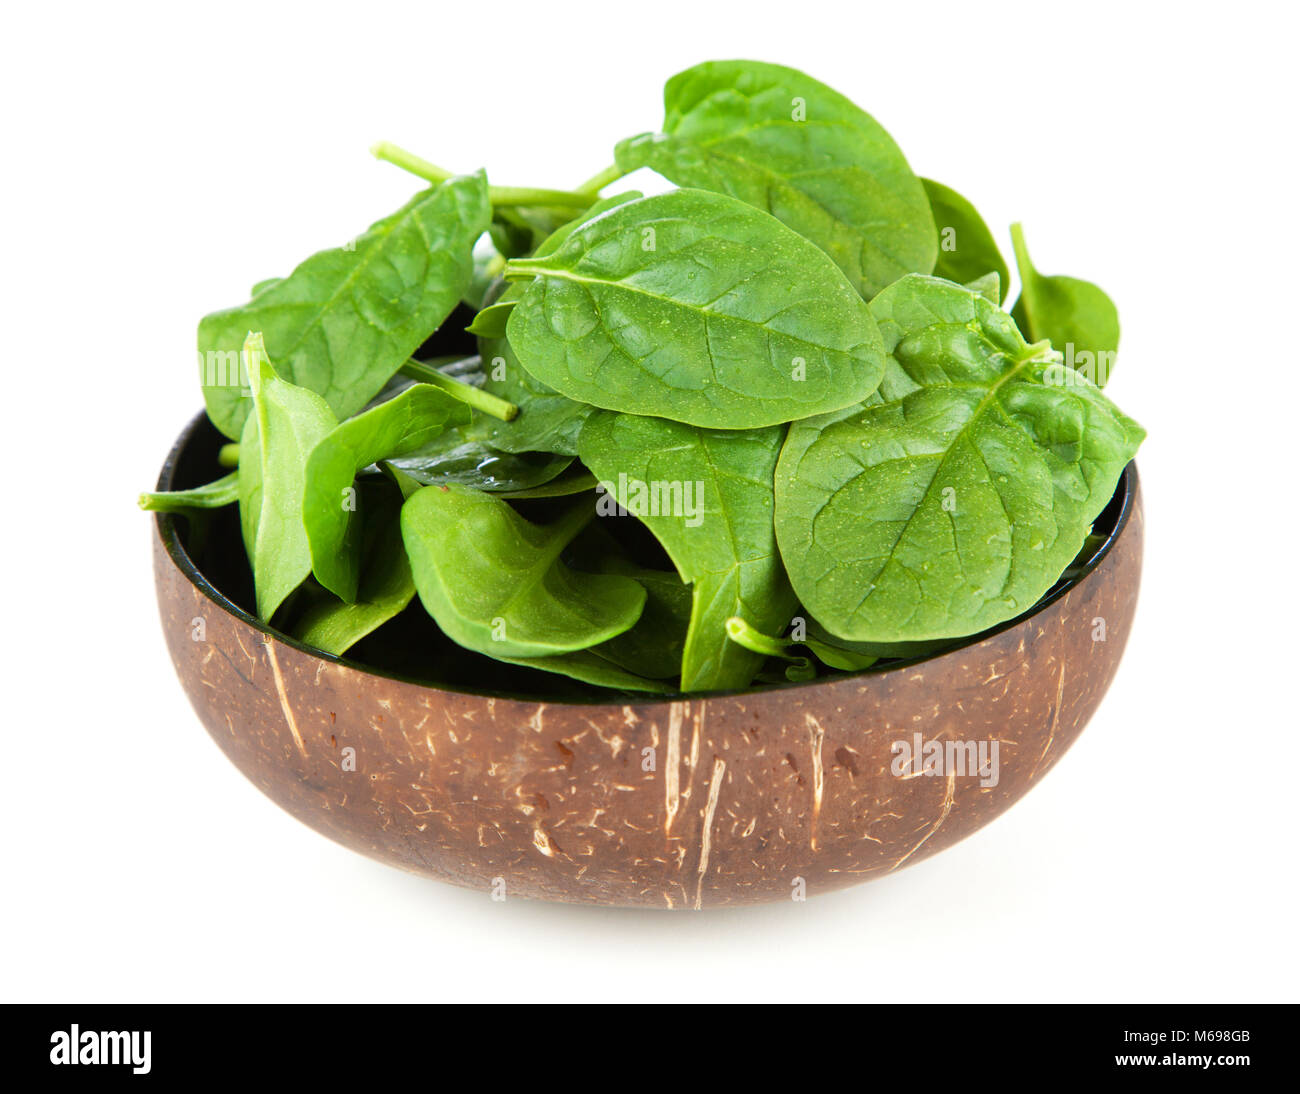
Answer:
(169, 533)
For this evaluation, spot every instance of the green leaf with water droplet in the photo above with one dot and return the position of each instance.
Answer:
(953, 498)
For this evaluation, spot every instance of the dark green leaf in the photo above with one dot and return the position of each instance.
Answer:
(547, 421)
(655, 646)
(590, 667)
(330, 510)
(707, 497)
(967, 250)
(387, 587)
(698, 307)
(346, 319)
(460, 457)
(953, 500)
(786, 143)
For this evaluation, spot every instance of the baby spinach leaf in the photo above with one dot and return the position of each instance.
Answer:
(547, 420)
(287, 422)
(988, 286)
(330, 511)
(575, 479)
(1077, 317)
(697, 307)
(386, 587)
(491, 321)
(655, 645)
(967, 249)
(842, 654)
(789, 145)
(953, 500)
(213, 495)
(750, 638)
(460, 457)
(707, 497)
(346, 319)
(590, 667)
(264, 284)
(494, 582)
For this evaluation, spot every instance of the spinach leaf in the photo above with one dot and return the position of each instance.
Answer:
(833, 652)
(842, 654)
(953, 500)
(346, 319)
(750, 638)
(758, 367)
(213, 495)
(287, 422)
(575, 479)
(330, 501)
(386, 588)
(1077, 317)
(967, 250)
(989, 286)
(491, 321)
(654, 647)
(589, 667)
(789, 145)
(495, 583)
(707, 497)
(460, 457)
(697, 307)
(547, 421)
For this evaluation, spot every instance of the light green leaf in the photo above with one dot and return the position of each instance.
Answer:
(494, 582)
(286, 424)
(490, 322)
(213, 495)
(1077, 317)
(988, 286)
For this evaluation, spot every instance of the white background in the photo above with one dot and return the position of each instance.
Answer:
(159, 160)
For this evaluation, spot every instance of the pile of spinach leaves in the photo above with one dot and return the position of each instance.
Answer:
(770, 424)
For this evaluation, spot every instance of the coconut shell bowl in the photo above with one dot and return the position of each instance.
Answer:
(677, 803)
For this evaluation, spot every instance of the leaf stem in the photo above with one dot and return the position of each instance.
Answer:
(466, 393)
(228, 455)
(601, 179)
(527, 195)
(409, 161)
(224, 491)
(498, 195)
(740, 632)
